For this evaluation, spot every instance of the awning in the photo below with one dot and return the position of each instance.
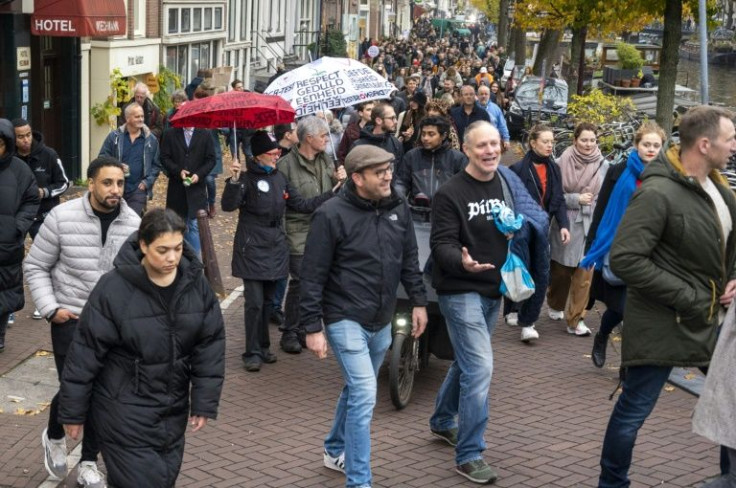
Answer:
(78, 18)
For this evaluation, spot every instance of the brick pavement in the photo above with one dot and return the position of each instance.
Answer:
(549, 409)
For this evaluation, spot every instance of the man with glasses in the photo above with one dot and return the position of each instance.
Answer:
(380, 132)
(360, 245)
(311, 173)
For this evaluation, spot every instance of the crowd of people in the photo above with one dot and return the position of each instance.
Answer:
(325, 220)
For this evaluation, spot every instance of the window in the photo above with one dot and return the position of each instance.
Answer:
(182, 63)
(197, 23)
(231, 20)
(243, 19)
(139, 16)
(186, 19)
(218, 18)
(194, 67)
(171, 58)
(204, 55)
(208, 19)
(173, 20)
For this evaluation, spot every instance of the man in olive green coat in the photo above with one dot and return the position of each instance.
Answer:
(675, 250)
(311, 173)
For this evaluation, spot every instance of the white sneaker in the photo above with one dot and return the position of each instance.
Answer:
(581, 330)
(556, 314)
(529, 333)
(54, 455)
(36, 315)
(335, 463)
(512, 319)
(89, 476)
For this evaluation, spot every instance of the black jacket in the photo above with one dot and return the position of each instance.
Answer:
(463, 120)
(198, 158)
(385, 141)
(135, 370)
(49, 173)
(356, 253)
(554, 198)
(260, 250)
(423, 170)
(19, 202)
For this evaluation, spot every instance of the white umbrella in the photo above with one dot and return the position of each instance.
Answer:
(329, 83)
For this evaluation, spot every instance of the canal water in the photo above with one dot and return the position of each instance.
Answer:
(722, 90)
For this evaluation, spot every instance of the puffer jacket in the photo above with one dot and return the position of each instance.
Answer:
(133, 370)
(424, 170)
(49, 173)
(669, 250)
(19, 202)
(260, 251)
(67, 257)
(357, 252)
(310, 179)
(112, 146)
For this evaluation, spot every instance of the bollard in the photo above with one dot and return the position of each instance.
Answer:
(209, 258)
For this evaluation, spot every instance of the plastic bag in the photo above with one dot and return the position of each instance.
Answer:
(505, 220)
(516, 283)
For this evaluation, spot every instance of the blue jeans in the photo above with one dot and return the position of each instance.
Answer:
(359, 353)
(641, 388)
(462, 401)
(192, 237)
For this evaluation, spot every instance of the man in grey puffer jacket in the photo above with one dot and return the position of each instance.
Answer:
(73, 249)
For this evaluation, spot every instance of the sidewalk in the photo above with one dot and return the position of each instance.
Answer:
(549, 409)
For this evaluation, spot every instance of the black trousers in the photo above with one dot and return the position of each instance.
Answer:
(258, 295)
(61, 340)
(291, 318)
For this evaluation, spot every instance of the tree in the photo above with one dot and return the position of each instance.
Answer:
(669, 58)
(503, 23)
(490, 8)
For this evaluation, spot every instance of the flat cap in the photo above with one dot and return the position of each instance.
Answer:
(364, 156)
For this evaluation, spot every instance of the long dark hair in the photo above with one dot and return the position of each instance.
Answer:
(159, 221)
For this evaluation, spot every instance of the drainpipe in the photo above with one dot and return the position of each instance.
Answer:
(703, 28)
(249, 37)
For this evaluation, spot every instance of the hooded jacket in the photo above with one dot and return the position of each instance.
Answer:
(424, 170)
(357, 251)
(19, 203)
(49, 173)
(260, 251)
(669, 250)
(140, 372)
(385, 141)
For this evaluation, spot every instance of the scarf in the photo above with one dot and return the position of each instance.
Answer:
(580, 172)
(617, 203)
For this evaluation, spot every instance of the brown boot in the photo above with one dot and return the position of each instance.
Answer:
(211, 211)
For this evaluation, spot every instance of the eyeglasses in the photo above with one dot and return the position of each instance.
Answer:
(381, 173)
(393, 117)
(275, 152)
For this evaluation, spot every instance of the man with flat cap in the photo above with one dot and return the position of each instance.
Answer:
(359, 246)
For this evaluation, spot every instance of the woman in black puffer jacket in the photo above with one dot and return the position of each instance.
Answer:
(149, 354)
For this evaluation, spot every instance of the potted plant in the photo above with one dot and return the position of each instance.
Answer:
(630, 60)
(636, 80)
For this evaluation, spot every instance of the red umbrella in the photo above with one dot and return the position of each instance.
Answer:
(243, 110)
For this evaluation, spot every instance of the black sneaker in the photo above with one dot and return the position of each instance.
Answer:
(291, 344)
(277, 317)
(449, 435)
(477, 471)
(598, 355)
(252, 364)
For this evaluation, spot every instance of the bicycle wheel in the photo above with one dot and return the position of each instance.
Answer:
(403, 366)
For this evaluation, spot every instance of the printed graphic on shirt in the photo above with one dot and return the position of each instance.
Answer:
(486, 207)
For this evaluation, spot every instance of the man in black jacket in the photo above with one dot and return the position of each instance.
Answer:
(188, 155)
(380, 132)
(425, 168)
(19, 199)
(46, 166)
(468, 112)
(359, 247)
